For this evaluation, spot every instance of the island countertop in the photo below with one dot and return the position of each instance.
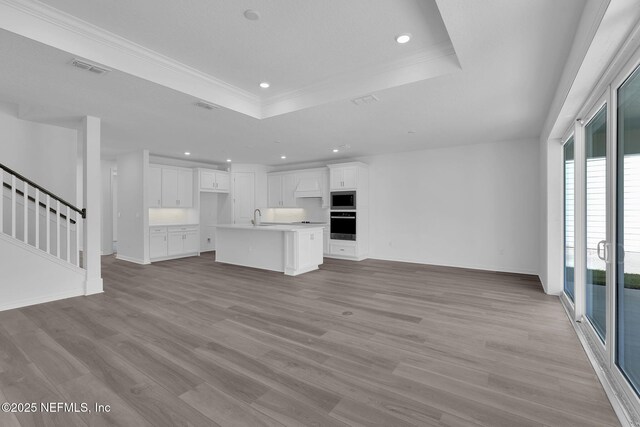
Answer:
(270, 227)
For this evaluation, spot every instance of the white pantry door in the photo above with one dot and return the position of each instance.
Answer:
(243, 197)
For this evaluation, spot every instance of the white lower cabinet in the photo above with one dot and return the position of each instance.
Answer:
(157, 242)
(303, 251)
(342, 248)
(173, 242)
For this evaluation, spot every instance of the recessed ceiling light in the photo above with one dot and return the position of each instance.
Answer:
(251, 15)
(283, 157)
(403, 38)
(412, 131)
(335, 150)
(265, 85)
(186, 153)
(228, 160)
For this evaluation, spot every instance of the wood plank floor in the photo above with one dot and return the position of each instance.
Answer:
(194, 343)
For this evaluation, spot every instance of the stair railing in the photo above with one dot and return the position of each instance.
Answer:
(61, 218)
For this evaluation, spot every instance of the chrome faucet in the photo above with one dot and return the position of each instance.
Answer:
(255, 220)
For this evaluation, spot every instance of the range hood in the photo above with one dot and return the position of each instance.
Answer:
(308, 187)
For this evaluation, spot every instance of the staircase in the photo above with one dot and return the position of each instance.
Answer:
(40, 257)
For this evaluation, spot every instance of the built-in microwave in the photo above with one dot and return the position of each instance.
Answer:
(343, 200)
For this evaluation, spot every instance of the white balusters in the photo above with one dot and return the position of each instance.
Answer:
(14, 209)
(47, 218)
(58, 229)
(37, 218)
(68, 234)
(25, 202)
(78, 221)
(65, 216)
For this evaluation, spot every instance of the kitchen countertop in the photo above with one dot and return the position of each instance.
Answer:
(180, 224)
(270, 227)
(304, 224)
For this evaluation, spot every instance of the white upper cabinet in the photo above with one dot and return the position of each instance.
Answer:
(214, 181)
(222, 181)
(281, 190)
(185, 188)
(289, 183)
(170, 187)
(274, 189)
(154, 190)
(345, 177)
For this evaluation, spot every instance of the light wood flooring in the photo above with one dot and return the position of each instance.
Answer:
(374, 343)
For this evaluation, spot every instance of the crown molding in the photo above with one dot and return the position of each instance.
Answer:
(50, 26)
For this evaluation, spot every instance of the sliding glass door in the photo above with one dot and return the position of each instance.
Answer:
(595, 139)
(569, 229)
(601, 250)
(628, 230)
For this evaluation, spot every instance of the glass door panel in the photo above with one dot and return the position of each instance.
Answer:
(628, 230)
(569, 229)
(596, 221)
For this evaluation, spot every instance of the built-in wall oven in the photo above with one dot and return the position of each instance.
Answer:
(343, 200)
(343, 225)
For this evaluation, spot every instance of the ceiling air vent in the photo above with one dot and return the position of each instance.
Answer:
(84, 65)
(207, 105)
(367, 99)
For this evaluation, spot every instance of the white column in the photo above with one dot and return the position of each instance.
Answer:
(92, 193)
(554, 250)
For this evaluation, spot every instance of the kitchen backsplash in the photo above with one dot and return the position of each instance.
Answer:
(309, 210)
(173, 216)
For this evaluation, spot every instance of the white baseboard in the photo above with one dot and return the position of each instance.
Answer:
(133, 260)
(42, 299)
(345, 257)
(466, 267)
(167, 258)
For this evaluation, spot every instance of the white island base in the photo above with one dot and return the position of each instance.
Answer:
(286, 248)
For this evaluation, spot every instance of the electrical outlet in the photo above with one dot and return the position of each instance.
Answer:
(208, 239)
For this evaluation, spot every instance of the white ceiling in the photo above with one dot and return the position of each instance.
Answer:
(508, 58)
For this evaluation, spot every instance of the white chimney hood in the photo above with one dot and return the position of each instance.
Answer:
(309, 186)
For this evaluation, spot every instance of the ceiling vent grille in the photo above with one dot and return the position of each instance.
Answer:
(207, 105)
(367, 99)
(87, 66)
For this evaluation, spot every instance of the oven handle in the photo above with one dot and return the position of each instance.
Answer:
(343, 217)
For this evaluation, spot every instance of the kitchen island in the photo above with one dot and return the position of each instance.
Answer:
(292, 249)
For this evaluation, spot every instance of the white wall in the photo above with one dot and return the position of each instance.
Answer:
(107, 169)
(133, 218)
(473, 206)
(42, 153)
